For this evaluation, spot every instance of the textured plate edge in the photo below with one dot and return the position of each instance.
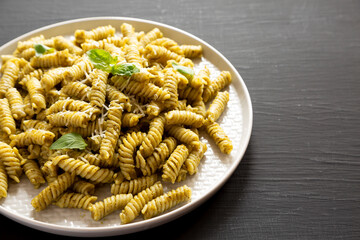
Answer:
(139, 226)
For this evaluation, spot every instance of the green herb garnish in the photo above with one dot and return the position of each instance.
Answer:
(104, 61)
(186, 71)
(125, 69)
(69, 141)
(41, 49)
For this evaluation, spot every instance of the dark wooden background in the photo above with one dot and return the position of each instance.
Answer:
(300, 177)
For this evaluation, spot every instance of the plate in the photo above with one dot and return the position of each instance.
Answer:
(214, 170)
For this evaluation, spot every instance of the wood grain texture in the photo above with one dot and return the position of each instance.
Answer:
(300, 177)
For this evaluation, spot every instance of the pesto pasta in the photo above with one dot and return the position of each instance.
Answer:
(109, 107)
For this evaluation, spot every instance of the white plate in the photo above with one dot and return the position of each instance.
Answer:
(214, 170)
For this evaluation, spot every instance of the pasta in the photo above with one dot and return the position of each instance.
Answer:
(32, 171)
(75, 200)
(216, 85)
(152, 139)
(217, 106)
(3, 181)
(108, 205)
(158, 157)
(134, 207)
(16, 103)
(166, 201)
(32, 136)
(112, 132)
(134, 186)
(221, 139)
(53, 191)
(184, 117)
(10, 161)
(7, 121)
(84, 170)
(83, 187)
(139, 112)
(173, 165)
(10, 74)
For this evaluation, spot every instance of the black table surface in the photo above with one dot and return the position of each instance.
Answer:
(300, 176)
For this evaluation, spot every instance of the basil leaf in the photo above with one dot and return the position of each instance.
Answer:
(101, 59)
(125, 69)
(41, 49)
(69, 141)
(187, 72)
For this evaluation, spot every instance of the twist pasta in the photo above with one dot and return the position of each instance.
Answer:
(7, 121)
(166, 201)
(36, 94)
(173, 165)
(147, 90)
(110, 204)
(134, 207)
(100, 44)
(128, 144)
(152, 139)
(134, 186)
(16, 103)
(84, 170)
(61, 43)
(171, 85)
(94, 34)
(168, 44)
(184, 117)
(98, 90)
(83, 187)
(53, 191)
(57, 59)
(184, 135)
(69, 119)
(3, 181)
(193, 160)
(112, 133)
(219, 136)
(158, 157)
(10, 75)
(32, 136)
(76, 90)
(32, 171)
(191, 51)
(151, 36)
(216, 85)
(217, 106)
(75, 200)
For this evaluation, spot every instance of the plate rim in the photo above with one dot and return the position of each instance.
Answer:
(159, 220)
